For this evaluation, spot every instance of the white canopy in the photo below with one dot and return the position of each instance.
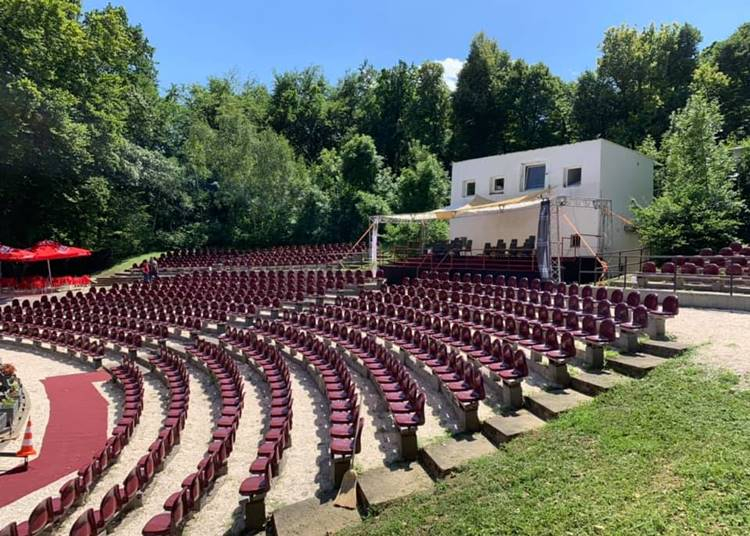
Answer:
(477, 206)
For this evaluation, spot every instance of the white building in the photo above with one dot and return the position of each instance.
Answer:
(591, 185)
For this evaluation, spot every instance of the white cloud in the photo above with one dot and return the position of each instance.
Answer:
(451, 67)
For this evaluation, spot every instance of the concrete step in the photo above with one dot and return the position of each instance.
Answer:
(596, 382)
(378, 487)
(502, 428)
(636, 365)
(444, 458)
(312, 517)
(662, 348)
(548, 405)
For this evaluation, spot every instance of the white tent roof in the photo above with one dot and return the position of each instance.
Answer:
(477, 206)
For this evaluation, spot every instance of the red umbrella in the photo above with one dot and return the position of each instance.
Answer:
(10, 254)
(49, 250)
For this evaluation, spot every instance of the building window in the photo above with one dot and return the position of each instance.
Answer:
(533, 176)
(572, 177)
(469, 188)
(498, 185)
(575, 241)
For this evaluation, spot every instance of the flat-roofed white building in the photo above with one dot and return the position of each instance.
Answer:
(591, 185)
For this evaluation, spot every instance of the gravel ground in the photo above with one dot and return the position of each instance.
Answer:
(221, 513)
(204, 405)
(305, 467)
(722, 336)
(32, 367)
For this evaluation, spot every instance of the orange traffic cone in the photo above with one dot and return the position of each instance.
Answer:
(27, 447)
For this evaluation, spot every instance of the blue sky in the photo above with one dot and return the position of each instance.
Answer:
(253, 39)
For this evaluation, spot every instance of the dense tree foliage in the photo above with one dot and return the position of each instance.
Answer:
(92, 152)
(699, 205)
(732, 57)
(640, 79)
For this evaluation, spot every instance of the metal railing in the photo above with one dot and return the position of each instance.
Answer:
(626, 270)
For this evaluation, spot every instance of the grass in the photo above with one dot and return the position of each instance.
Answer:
(127, 263)
(664, 455)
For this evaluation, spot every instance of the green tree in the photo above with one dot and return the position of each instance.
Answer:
(424, 185)
(699, 205)
(538, 115)
(428, 114)
(351, 102)
(732, 57)
(641, 78)
(299, 110)
(742, 155)
(480, 103)
(360, 163)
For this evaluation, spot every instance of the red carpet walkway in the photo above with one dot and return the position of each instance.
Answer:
(76, 429)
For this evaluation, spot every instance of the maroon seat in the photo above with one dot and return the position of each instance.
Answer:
(348, 447)
(256, 484)
(42, 516)
(85, 525)
(167, 523)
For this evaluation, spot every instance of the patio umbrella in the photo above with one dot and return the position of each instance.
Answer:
(9, 254)
(49, 250)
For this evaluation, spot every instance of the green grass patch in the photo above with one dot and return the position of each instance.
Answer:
(669, 454)
(127, 263)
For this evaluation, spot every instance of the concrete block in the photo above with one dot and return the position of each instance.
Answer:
(378, 487)
(594, 357)
(502, 428)
(442, 459)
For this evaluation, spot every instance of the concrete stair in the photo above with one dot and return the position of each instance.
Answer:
(312, 517)
(442, 459)
(596, 382)
(635, 365)
(548, 405)
(502, 428)
(377, 488)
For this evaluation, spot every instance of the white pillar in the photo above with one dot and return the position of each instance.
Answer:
(374, 245)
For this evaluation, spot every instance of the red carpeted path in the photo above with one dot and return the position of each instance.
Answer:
(76, 430)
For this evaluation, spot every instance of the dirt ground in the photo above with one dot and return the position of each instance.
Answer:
(722, 337)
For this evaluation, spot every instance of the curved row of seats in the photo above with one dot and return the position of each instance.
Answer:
(251, 348)
(481, 292)
(120, 499)
(52, 511)
(180, 506)
(276, 256)
(457, 377)
(396, 387)
(335, 381)
(418, 340)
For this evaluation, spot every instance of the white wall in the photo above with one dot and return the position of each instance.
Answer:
(627, 175)
(584, 154)
(518, 224)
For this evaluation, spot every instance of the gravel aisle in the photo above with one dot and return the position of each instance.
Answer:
(221, 511)
(204, 404)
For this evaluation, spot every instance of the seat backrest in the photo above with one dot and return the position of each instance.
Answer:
(68, 494)
(607, 329)
(110, 503)
(670, 304)
(567, 345)
(41, 516)
(85, 525)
